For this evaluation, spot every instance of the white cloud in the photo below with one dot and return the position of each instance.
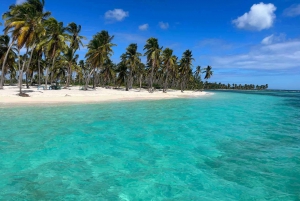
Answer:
(164, 25)
(292, 11)
(20, 1)
(278, 56)
(273, 39)
(261, 16)
(143, 27)
(116, 15)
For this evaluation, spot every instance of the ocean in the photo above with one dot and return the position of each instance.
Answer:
(234, 145)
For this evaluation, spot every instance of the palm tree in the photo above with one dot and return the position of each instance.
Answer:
(169, 62)
(185, 68)
(122, 72)
(76, 41)
(133, 60)
(153, 57)
(25, 22)
(99, 50)
(208, 73)
(54, 42)
(4, 47)
(197, 76)
(108, 72)
(70, 61)
(140, 73)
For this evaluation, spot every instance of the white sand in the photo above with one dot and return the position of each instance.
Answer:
(75, 95)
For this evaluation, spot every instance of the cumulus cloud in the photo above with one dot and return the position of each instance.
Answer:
(143, 27)
(261, 16)
(292, 11)
(164, 25)
(116, 15)
(278, 56)
(20, 1)
(273, 39)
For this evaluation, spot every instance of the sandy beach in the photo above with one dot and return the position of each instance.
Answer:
(75, 95)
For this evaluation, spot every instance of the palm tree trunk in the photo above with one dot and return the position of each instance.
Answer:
(28, 67)
(88, 79)
(39, 73)
(46, 78)
(3, 65)
(166, 82)
(21, 73)
(151, 79)
(141, 76)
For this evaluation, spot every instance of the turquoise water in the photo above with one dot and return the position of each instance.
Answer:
(228, 146)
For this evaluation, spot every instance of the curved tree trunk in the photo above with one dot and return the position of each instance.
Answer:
(21, 73)
(27, 68)
(141, 76)
(151, 79)
(166, 82)
(88, 79)
(3, 65)
(39, 73)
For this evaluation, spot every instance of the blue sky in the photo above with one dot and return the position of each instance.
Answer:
(244, 41)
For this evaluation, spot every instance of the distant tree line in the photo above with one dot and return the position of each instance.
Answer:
(216, 85)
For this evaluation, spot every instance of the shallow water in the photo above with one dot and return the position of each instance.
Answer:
(228, 146)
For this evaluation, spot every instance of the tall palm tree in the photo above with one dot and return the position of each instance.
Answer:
(169, 62)
(70, 61)
(208, 73)
(133, 60)
(185, 68)
(25, 22)
(54, 42)
(108, 72)
(99, 50)
(76, 41)
(197, 76)
(153, 57)
(7, 52)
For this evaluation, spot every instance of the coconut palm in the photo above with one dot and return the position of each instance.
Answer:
(6, 59)
(70, 61)
(169, 62)
(25, 22)
(76, 40)
(185, 68)
(122, 72)
(208, 73)
(55, 42)
(108, 72)
(133, 60)
(197, 76)
(99, 51)
(153, 57)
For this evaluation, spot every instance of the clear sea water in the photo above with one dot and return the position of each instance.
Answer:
(227, 146)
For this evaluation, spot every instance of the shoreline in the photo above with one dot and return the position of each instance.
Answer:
(73, 95)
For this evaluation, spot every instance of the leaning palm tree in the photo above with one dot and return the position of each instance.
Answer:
(133, 60)
(208, 73)
(25, 22)
(185, 68)
(5, 59)
(169, 61)
(153, 57)
(197, 76)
